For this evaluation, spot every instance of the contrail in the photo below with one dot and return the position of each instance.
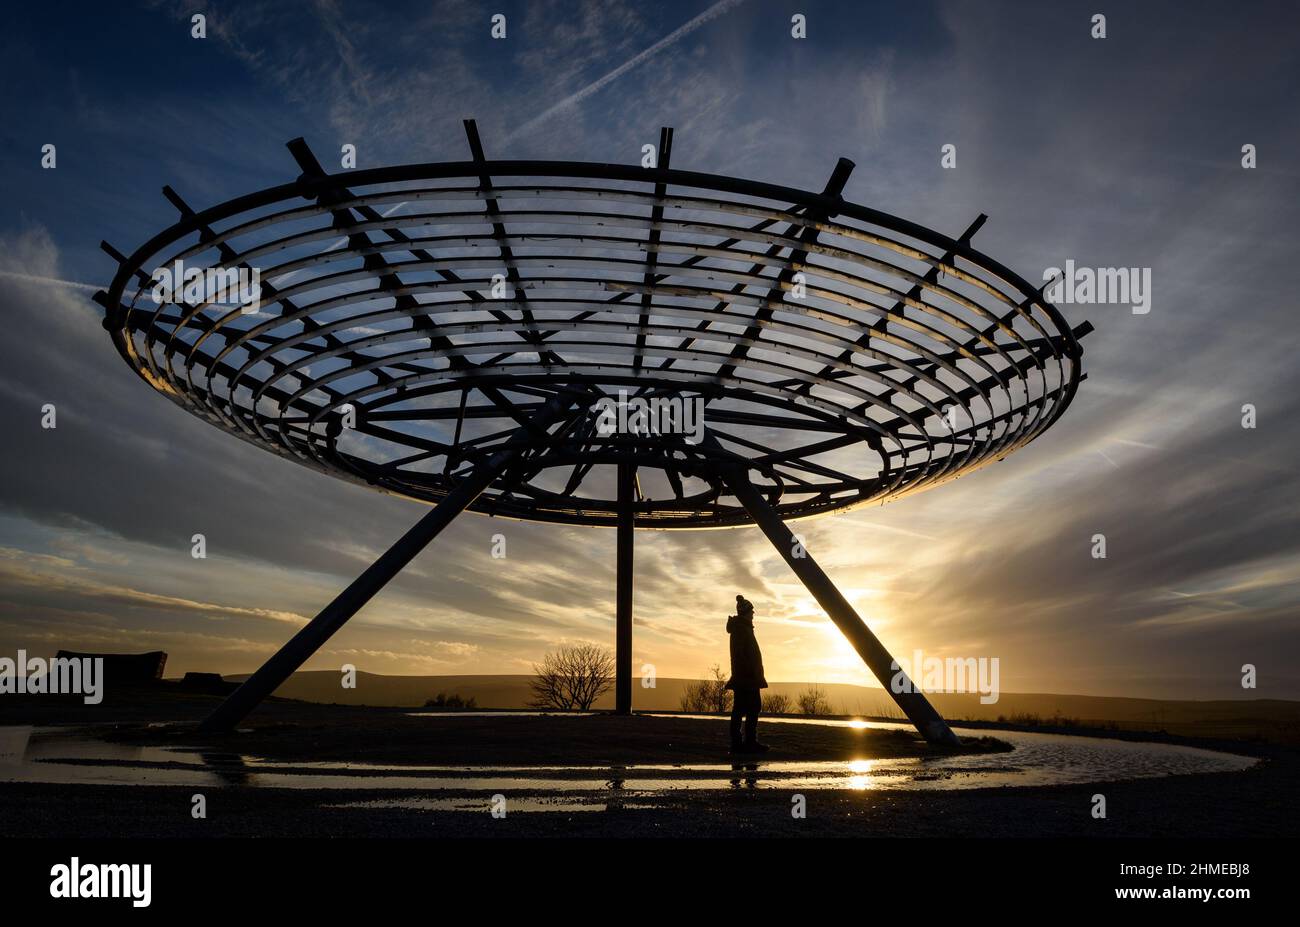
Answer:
(672, 38)
(281, 281)
(32, 278)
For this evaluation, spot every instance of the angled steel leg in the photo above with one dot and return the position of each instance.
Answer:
(913, 703)
(317, 631)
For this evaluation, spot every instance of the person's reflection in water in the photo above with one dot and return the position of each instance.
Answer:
(750, 781)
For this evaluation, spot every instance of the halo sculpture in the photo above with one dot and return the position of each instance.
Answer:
(445, 332)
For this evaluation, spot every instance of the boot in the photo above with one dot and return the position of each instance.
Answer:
(751, 744)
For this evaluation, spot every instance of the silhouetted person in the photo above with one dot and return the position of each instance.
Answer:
(746, 678)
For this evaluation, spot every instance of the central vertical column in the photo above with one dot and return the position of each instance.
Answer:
(623, 593)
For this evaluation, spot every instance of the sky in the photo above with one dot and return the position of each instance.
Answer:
(1124, 151)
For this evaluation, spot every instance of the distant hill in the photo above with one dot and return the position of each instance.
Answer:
(1225, 718)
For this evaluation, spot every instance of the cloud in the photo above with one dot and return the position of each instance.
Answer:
(1074, 148)
(573, 99)
(55, 577)
(49, 281)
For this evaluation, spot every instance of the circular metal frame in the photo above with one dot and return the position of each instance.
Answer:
(413, 317)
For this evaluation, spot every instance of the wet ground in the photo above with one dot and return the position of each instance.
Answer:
(78, 756)
(305, 770)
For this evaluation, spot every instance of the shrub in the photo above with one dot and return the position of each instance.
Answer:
(709, 694)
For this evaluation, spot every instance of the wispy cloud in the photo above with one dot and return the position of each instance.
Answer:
(573, 99)
(1200, 522)
(49, 281)
(18, 569)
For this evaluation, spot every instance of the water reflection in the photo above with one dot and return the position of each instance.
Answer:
(749, 782)
(861, 779)
(232, 768)
(61, 755)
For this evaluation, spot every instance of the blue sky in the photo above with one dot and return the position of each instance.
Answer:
(1123, 151)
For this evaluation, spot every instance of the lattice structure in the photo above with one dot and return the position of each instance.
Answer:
(847, 355)
(427, 326)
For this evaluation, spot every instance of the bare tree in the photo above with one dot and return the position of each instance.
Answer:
(774, 703)
(572, 677)
(709, 694)
(813, 701)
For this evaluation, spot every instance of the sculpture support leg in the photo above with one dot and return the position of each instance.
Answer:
(623, 594)
(914, 703)
(321, 628)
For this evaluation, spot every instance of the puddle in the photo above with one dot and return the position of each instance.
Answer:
(461, 713)
(75, 757)
(485, 804)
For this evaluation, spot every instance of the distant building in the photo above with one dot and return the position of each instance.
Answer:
(207, 683)
(125, 669)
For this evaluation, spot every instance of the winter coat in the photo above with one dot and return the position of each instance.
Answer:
(746, 660)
